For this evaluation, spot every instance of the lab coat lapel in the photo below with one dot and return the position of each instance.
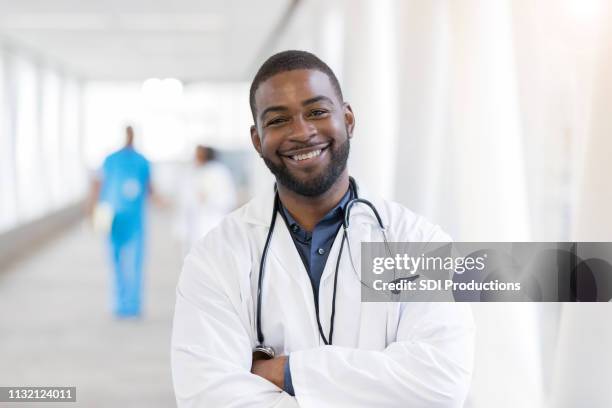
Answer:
(375, 325)
(282, 247)
(288, 317)
(348, 297)
(349, 308)
(259, 210)
(283, 250)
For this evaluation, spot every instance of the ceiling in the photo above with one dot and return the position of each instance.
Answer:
(135, 39)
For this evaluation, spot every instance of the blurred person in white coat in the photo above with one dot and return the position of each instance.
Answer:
(269, 310)
(207, 194)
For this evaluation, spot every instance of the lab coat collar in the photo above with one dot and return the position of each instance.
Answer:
(259, 210)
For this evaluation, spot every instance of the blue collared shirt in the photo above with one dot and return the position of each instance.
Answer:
(314, 248)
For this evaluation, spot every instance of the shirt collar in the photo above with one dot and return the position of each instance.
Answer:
(336, 214)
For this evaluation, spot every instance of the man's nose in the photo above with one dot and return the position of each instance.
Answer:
(302, 129)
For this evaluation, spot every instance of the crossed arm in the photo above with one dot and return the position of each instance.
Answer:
(272, 370)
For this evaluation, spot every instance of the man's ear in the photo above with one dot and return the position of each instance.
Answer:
(349, 119)
(256, 140)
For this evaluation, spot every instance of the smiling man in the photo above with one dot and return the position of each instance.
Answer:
(269, 310)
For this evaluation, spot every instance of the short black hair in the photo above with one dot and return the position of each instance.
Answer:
(291, 60)
(211, 154)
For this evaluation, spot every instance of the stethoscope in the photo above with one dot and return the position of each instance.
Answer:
(261, 351)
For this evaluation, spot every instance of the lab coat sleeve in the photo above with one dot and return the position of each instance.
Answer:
(211, 348)
(429, 365)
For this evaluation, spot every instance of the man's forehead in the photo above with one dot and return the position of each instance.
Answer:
(294, 86)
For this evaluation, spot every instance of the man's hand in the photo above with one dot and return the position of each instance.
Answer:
(92, 199)
(272, 370)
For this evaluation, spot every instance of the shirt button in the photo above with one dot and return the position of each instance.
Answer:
(321, 251)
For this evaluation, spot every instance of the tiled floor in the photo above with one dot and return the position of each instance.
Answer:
(56, 327)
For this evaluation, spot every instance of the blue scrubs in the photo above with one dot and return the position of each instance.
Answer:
(125, 184)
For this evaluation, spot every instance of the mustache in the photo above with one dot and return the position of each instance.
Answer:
(311, 143)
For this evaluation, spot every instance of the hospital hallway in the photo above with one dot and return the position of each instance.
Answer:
(57, 327)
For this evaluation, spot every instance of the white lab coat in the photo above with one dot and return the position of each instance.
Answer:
(383, 354)
(207, 195)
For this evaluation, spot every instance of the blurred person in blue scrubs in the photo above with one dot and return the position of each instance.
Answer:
(121, 192)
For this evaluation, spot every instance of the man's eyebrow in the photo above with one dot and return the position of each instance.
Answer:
(317, 99)
(272, 109)
(304, 103)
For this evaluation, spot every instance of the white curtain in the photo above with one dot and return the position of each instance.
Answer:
(490, 117)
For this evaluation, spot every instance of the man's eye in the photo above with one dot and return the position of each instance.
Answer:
(275, 121)
(318, 112)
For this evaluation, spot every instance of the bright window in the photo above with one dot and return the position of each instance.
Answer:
(30, 194)
(8, 216)
(72, 170)
(50, 137)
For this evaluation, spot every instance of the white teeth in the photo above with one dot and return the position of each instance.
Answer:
(309, 155)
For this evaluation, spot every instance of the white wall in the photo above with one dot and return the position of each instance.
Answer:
(40, 132)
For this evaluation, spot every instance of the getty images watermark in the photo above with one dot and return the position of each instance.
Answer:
(486, 272)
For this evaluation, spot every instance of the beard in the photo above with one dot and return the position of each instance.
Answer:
(318, 184)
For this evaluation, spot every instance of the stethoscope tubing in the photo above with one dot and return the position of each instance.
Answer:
(345, 223)
(260, 336)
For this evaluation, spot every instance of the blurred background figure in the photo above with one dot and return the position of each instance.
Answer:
(207, 194)
(119, 199)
